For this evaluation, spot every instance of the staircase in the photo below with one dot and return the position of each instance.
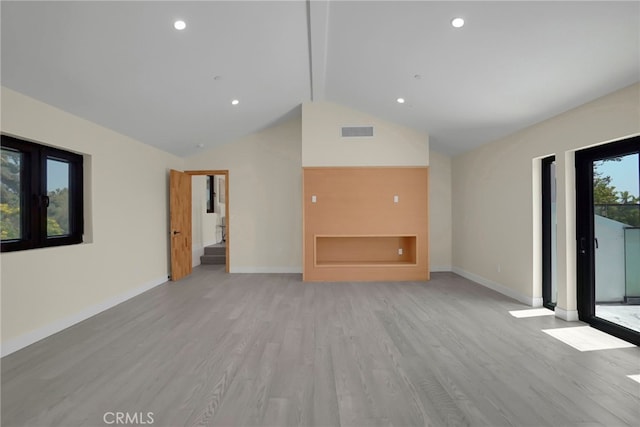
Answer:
(215, 254)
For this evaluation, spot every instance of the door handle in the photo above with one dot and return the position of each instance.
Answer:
(583, 244)
(175, 232)
(596, 240)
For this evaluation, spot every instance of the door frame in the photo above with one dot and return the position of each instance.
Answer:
(225, 173)
(585, 234)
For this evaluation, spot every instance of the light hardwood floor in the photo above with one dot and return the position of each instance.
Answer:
(238, 349)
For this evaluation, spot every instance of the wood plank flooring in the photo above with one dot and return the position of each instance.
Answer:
(266, 349)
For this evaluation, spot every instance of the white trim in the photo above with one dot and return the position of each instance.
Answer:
(568, 315)
(441, 269)
(209, 243)
(265, 270)
(15, 344)
(499, 288)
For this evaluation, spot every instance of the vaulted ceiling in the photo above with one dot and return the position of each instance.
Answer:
(124, 66)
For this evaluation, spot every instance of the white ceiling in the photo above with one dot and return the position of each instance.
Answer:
(122, 65)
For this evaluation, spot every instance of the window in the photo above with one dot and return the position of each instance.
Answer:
(40, 196)
(211, 194)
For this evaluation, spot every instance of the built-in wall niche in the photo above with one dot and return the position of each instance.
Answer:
(365, 223)
(382, 251)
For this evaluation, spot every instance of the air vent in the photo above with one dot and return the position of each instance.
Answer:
(357, 131)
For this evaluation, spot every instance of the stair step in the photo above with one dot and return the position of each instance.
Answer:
(213, 259)
(215, 250)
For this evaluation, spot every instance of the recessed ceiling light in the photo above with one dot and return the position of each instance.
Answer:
(201, 145)
(179, 25)
(400, 100)
(457, 22)
(235, 102)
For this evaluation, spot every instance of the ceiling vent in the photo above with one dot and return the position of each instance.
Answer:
(357, 131)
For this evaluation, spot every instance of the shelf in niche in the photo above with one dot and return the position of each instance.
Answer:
(364, 250)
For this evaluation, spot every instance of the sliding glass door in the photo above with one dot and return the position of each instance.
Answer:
(608, 233)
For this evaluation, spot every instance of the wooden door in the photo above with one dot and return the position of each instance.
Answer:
(180, 212)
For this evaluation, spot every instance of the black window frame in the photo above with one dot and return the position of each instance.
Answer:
(547, 224)
(35, 198)
(211, 200)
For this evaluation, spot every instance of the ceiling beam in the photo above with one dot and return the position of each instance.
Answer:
(318, 19)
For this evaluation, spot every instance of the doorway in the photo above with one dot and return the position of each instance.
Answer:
(608, 233)
(217, 206)
(209, 217)
(180, 212)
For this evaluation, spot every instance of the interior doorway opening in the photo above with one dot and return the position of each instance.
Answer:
(210, 217)
(181, 200)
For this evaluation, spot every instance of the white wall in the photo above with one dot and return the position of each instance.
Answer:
(496, 196)
(126, 215)
(220, 211)
(440, 251)
(391, 145)
(210, 220)
(265, 197)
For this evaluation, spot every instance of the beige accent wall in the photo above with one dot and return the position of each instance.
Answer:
(496, 198)
(440, 251)
(265, 197)
(391, 145)
(357, 219)
(126, 215)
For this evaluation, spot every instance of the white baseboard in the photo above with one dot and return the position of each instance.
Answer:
(15, 344)
(265, 270)
(568, 315)
(526, 299)
(440, 269)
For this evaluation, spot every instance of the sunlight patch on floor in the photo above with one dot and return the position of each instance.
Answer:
(586, 338)
(532, 312)
(634, 377)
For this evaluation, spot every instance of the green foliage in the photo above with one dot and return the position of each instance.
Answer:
(10, 195)
(58, 212)
(53, 228)
(10, 215)
(10, 164)
(620, 206)
(9, 222)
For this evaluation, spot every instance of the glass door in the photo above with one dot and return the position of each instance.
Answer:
(608, 233)
(549, 226)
